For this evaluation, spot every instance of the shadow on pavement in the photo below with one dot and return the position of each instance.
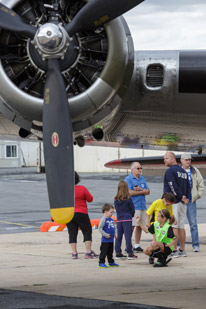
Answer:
(11, 299)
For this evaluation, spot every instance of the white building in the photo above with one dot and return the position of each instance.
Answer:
(86, 159)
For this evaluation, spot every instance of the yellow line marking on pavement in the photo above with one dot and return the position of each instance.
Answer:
(16, 223)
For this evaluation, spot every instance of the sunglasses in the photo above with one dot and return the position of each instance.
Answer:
(139, 168)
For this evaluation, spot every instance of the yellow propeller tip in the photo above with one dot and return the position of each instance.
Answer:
(62, 215)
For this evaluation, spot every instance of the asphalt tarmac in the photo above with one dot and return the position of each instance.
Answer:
(26, 300)
(24, 202)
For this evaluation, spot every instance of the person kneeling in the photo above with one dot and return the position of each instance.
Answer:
(163, 243)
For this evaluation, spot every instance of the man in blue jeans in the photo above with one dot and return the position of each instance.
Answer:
(197, 188)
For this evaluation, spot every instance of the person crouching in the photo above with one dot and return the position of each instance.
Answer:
(164, 238)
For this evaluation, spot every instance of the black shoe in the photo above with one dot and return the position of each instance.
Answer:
(138, 249)
(132, 256)
(167, 261)
(160, 265)
(151, 260)
(120, 256)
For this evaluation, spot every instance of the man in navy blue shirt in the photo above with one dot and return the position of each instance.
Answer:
(138, 188)
(176, 181)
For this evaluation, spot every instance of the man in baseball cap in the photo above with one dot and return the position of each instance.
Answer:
(197, 188)
(186, 156)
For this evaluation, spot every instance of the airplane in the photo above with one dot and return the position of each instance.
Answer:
(69, 75)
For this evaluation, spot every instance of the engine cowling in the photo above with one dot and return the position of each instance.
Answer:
(97, 69)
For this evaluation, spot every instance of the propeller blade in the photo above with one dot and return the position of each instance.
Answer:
(58, 145)
(11, 21)
(98, 12)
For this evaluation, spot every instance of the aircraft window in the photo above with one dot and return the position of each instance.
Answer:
(155, 75)
(11, 151)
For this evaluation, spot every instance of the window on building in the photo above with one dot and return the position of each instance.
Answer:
(11, 151)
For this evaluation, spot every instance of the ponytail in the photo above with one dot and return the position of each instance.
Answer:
(171, 220)
(165, 213)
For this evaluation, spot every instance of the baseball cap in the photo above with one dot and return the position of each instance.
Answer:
(186, 156)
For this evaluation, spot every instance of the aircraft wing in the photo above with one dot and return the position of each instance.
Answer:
(154, 162)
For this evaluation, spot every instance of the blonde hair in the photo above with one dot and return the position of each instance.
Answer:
(122, 191)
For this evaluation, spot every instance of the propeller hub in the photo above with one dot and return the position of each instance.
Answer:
(70, 57)
(49, 37)
(51, 41)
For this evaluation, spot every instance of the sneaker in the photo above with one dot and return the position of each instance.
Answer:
(138, 249)
(196, 249)
(174, 254)
(113, 264)
(120, 256)
(183, 253)
(75, 256)
(168, 260)
(151, 260)
(158, 264)
(94, 255)
(132, 256)
(102, 265)
(88, 255)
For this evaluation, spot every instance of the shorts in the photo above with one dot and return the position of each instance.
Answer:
(166, 253)
(142, 214)
(179, 211)
(81, 221)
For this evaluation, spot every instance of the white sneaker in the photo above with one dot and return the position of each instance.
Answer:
(174, 254)
(183, 253)
(196, 249)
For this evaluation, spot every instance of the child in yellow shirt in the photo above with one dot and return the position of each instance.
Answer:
(164, 203)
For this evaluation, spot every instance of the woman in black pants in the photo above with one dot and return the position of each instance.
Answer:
(81, 220)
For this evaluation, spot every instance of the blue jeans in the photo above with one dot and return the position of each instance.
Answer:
(124, 228)
(192, 219)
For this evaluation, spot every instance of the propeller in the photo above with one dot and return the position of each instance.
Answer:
(11, 21)
(51, 40)
(58, 145)
(98, 12)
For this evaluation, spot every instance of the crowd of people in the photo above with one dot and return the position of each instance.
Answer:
(164, 219)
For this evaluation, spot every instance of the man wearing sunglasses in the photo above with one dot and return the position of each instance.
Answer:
(138, 188)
